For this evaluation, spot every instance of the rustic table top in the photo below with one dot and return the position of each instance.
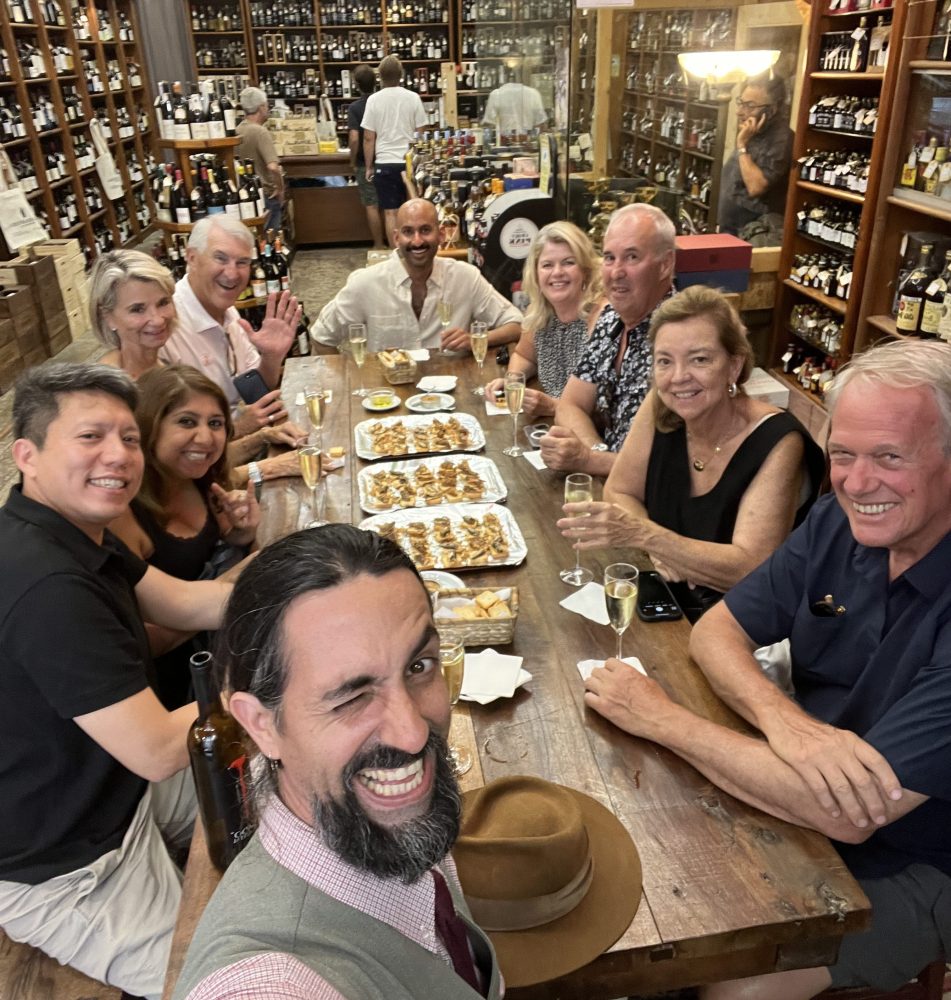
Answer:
(727, 890)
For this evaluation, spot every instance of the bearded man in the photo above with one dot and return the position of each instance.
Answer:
(331, 658)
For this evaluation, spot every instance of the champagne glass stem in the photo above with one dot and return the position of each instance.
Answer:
(514, 430)
(621, 633)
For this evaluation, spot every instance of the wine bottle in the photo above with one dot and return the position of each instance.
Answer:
(219, 762)
(180, 203)
(911, 294)
(936, 294)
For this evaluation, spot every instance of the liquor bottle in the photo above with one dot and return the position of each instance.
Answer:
(858, 57)
(219, 761)
(935, 301)
(911, 293)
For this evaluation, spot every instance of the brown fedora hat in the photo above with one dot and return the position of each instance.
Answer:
(549, 874)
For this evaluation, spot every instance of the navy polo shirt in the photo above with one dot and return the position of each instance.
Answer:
(881, 669)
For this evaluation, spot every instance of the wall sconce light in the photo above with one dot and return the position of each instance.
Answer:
(719, 68)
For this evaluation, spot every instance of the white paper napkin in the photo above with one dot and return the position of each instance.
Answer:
(586, 666)
(490, 675)
(589, 603)
(493, 411)
(535, 458)
(419, 354)
(437, 383)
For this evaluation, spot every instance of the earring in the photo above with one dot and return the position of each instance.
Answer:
(275, 764)
(731, 390)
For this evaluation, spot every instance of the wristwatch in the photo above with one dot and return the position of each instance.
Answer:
(254, 473)
(600, 446)
(741, 149)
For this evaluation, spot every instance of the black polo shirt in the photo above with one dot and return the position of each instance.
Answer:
(71, 642)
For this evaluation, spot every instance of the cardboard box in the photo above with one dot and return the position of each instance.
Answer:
(712, 252)
(725, 281)
(762, 385)
(11, 364)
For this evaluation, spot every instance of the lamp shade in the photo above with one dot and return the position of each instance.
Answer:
(727, 67)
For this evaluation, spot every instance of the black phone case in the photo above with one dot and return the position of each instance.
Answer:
(665, 608)
(250, 385)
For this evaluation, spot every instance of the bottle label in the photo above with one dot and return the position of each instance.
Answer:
(909, 309)
(931, 316)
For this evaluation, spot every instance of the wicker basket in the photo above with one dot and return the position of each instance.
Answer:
(398, 367)
(482, 631)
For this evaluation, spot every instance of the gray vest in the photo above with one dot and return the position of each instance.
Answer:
(260, 907)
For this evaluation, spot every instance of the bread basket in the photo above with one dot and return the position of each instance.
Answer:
(398, 367)
(479, 631)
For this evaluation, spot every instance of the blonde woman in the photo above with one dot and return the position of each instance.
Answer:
(562, 278)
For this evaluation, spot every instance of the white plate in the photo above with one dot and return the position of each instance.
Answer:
(495, 488)
(430, 402)
(442, 558)
(364, 443)
(445, 581)
(368, 405)
(486, 699)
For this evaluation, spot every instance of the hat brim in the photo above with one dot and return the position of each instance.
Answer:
(554, 949)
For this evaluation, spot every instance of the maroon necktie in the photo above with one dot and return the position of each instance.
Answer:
(453, 933)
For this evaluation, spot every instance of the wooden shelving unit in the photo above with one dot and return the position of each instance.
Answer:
(803, 194)
(897, 210)
(111, 48)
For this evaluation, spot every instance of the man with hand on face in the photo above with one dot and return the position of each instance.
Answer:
(95, 777)
(754, 177)
(598, 404)
(211, 335)
(862, 750)
(342, 890)
(407, 288)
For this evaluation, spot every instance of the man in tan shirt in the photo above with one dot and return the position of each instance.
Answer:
(258, 146)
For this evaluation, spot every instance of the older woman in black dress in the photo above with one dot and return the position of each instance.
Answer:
(709, 481)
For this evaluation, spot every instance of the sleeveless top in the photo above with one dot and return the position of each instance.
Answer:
(260, 906)
(558, 347)
(711, 517)
(184, 558)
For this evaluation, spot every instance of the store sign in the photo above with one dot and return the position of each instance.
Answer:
(516, 238)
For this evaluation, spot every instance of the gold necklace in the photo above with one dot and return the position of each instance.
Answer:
(698, 463)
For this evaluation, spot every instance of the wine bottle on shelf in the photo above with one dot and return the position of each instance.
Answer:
(258, 277)
(935, 298)
(181, 129)
(199, 199)
(858, 57)
(271, 274)
(227, 111)
(911, 292)
(219, 761)
(181, 206)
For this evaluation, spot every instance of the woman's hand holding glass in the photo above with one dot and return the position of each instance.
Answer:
(598, 524)
(578, 492)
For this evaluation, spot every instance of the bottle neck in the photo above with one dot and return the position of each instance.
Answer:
(206, 690)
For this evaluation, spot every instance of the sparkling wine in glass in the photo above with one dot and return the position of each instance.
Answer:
(357, 339)
(444, 312)
(578, 490)
(452, 661)
(479, 342)
(310, 458)
(514, 394)
(620, 597)
(316, 401)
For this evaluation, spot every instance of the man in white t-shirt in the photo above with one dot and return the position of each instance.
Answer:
(391, 118)
(514, 108)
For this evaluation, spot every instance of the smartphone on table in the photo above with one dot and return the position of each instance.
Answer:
(655, 602)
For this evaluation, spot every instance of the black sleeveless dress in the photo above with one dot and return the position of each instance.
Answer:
(186, 559)
(711, 517)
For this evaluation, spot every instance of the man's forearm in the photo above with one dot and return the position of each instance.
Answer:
(270, 369)
(506, 334)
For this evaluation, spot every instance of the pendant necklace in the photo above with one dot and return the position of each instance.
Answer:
(698, 463)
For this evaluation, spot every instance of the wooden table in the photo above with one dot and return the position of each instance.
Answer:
(728, 890)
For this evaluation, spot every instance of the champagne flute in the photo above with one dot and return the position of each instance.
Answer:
(514, 394)
(444, 312)
(620, 596)
(316, 400)
(310, 458)
(479, 342)
(357, 338)
(578, 490)
(452, 662)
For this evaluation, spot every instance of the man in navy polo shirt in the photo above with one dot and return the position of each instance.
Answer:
(862, 752)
